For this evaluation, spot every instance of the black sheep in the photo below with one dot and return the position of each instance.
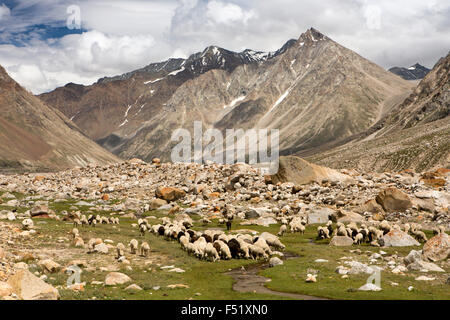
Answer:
(235, 248)
(161, 231)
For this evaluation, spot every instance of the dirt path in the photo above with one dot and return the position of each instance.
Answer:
(248, 280)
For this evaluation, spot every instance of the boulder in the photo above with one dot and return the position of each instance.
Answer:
(341, 241)
(437, 248)
(370, 206)
(253, 213)
(397, 238)
(156, 203)
(49, 265)
(369, 287)
(29, 287)
(116, 278)
(424, 266)
(133, 288)
(275, 261)
(412, 256)
(348, 216)
(319, 215)
(393, 200)
(300, 172)
(169, 193)
(358, 268)
(101, 248)
(39, 210)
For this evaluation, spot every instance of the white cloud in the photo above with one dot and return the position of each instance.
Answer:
(4, 12)
(75, 58)
(227, 13)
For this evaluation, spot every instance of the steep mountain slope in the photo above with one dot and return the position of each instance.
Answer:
(35, 136)
(415, 72)
(415, 134)
(313, 90)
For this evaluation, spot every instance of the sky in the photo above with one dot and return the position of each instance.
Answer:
(45, 44)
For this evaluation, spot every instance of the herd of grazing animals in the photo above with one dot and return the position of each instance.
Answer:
(215, 245)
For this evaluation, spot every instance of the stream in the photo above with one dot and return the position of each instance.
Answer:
(248, 280)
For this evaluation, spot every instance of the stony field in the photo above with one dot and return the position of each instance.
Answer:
(403, 219)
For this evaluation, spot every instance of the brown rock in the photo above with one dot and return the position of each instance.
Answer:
(116, 278)
(29, 287)
(392, 200)
(437, 248)
(105, 197)
(370, 206)
(296, 170)
(169, 193)
(156, 203)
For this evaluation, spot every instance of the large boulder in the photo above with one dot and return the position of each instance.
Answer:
(437, 248)
(397, 238)
(319, 215)
(49, 265)
(116, 278)
(370, 206)
(40, 211)
(393, 200)
(341, 241)
(169, 193)
(300, 172)
(29, 287)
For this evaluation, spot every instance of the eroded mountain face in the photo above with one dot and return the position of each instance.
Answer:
(33, 135)
(414, 134)
(313, 90)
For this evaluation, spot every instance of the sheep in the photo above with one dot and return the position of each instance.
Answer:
(142, 229)
(27, 224)
(211, 252)
(419, 235)
(133, 246)
(330, 227)
(272, 241)
(184, 242)
(342, 231)
(223, 249)
(235, 248)
(91, 219)
(282, 231)
(145, 249)
(199, 248)
(120, 250)
(84, 220)
(257, 252)
(91, 245)
(261, 242)
(385, 226)
(438, 230)
(75, 233)
(243, 246)
(322, 233)
(358, 238)
(76, 222)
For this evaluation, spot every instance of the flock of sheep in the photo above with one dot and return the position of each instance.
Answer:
(213, 245)
(372, 234)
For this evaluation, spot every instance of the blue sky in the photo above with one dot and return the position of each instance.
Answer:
(116, 36)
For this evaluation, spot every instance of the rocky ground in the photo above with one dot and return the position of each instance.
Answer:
(35, 256)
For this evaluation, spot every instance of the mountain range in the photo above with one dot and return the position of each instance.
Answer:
(313, 90)
(329, 104)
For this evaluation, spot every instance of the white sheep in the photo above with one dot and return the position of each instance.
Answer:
(120, 250)
(257, 252)
(358, 238)
(211, 252)
(282, 230)
(133, 246)
(145, 249)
